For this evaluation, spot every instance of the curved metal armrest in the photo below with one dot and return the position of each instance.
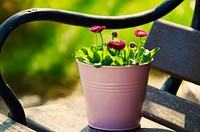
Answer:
(71, 18)
(85, 20)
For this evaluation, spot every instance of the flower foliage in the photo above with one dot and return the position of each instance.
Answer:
(116, 52)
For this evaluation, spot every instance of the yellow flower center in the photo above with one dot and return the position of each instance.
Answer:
(141, 33)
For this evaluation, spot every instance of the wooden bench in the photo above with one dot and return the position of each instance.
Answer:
(178, 57)
(7, 124)
(160, 106)
(70, 116)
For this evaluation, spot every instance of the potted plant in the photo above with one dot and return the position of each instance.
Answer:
(114, 77)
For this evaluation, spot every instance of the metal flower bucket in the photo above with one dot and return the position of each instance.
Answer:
(114, 95)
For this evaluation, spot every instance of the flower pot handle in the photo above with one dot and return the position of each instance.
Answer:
(72, 18)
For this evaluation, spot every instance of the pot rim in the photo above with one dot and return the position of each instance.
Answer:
(117, 67)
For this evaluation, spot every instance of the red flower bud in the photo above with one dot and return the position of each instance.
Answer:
(97, 29)
(114, 34)
(132, 44)
(140, 33)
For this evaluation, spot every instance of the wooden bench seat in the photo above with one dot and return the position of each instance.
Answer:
(171, 111)
(175, 113)
(71, 116)
(8, 125)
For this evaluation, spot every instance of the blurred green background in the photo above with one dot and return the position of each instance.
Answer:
(37, 57)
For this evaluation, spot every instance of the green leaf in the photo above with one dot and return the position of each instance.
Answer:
(90, 59)
(123, 55)
(111, 51)
(132, 62)
(104, 52)
(132, 53)
(90, 54)
(84, 50)
(142, 51)
(108, 60)
(146, 57)
(96, 57)
(93, 49)
(154, 51)
(117, 61)
(80, 55)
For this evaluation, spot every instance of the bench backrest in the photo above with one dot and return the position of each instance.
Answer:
(179, 50)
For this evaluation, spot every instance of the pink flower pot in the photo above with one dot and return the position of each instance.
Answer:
(114, 95)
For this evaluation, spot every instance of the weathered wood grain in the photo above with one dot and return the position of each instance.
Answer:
(179, 50)
(171, 111)
(179, 57)
(160, 106)
(71, 117)
(8, 125)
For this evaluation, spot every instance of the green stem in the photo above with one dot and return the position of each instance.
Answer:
(102, 44)
(101, 39)
(96, 41)
(128, 54)
(104, 52)
(117, 52)
(139, 50)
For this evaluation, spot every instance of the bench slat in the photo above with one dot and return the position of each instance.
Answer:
(59, 117)
(160, 106)
(71, 117)
(7, 124)
(179, 50)
(169, 110)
